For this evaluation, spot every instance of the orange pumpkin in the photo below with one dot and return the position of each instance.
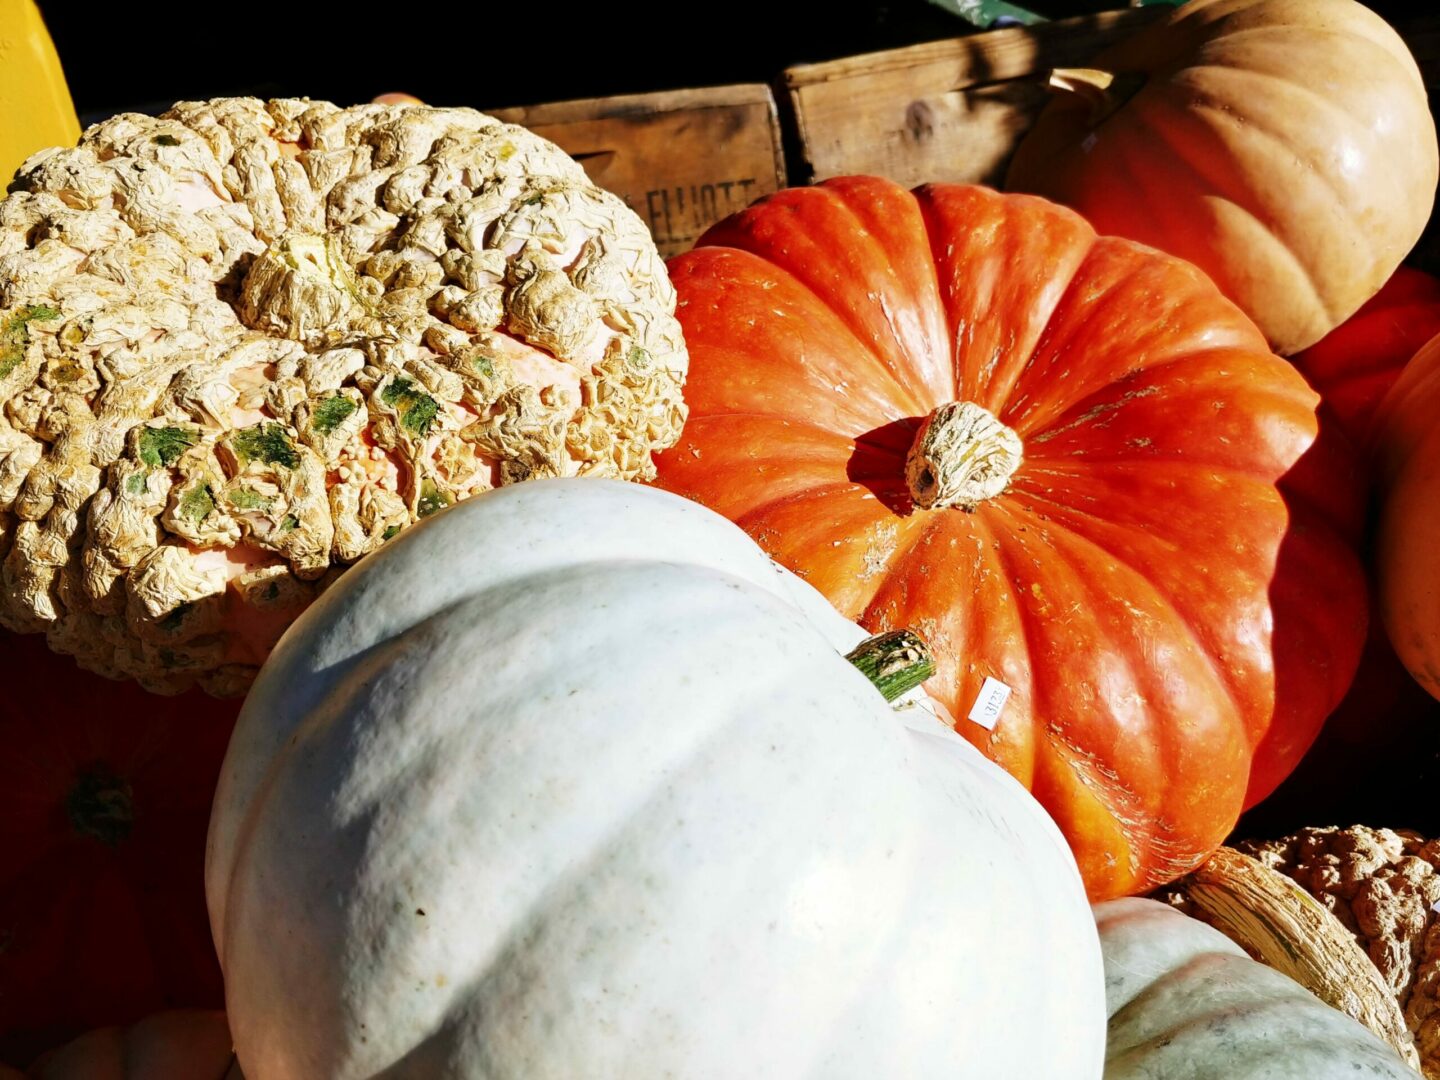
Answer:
(1407, 455)
(1283, 146)
(1055, 455)
(1349, 774)
(104, 801)
(187, 1044)
(1355, 364)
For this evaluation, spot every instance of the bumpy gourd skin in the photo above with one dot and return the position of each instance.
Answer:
(1383, 885)
(244, 344)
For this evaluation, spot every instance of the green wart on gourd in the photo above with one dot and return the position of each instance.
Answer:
(415, 408)
(267, 443)
(249, 499)
(332, 412)
(16, 335)
(198, 503)
(431, 499)
(164, 445)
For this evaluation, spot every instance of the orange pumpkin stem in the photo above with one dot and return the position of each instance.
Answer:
(961, 456)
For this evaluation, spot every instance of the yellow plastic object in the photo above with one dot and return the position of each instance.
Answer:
(35, 106)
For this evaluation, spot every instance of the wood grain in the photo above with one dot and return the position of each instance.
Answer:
(681, 159)
(948, 110)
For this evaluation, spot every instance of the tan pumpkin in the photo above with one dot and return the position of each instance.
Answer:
(1283, 146)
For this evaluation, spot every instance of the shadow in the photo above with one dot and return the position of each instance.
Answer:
(1364, 737)
(878, 463)
(105, 790)
(1376, 761)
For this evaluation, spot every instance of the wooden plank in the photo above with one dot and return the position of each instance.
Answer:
(681, 159)
(949, 110)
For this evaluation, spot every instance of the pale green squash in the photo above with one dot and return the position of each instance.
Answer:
(1187, 1003)
(572, 783)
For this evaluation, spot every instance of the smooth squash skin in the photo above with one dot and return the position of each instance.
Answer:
(570, 780)
(1137, 524)
(1186, 1003)
(1285, 147)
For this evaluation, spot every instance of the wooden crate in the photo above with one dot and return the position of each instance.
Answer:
(681, 159)
(948, 110)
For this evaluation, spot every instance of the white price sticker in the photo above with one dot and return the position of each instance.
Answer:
(1435, 907)
(989, 702)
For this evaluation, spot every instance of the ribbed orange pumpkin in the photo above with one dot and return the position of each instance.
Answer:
(1097, 527)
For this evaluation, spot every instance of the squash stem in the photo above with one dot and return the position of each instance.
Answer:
(1102, 92)
(895, 662)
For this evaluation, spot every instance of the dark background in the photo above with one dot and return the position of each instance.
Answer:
(120, 56)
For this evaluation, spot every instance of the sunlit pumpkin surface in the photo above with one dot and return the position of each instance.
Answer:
(1120, 582)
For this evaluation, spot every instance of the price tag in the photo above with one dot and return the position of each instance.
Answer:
(989, 702)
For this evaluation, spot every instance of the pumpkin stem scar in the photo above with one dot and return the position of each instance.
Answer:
(961, 456)
(895, 662)
(1102, 92)
(101, 805)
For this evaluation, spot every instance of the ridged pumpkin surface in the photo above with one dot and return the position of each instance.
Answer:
(1119, 585)
(1283, 146)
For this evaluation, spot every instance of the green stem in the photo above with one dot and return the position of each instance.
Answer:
(895, 663)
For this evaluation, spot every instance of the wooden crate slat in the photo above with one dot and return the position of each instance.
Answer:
(681, 159)
(948, 110)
